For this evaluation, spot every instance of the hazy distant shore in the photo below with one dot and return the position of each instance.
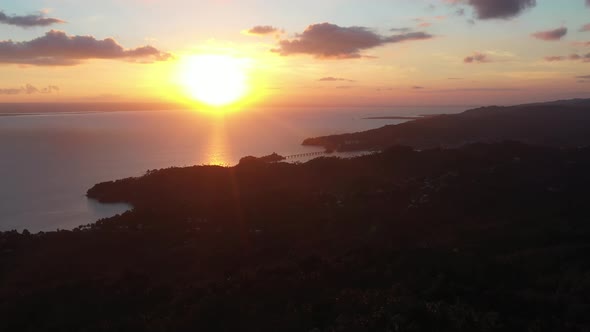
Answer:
(56, 113)
(14, 109)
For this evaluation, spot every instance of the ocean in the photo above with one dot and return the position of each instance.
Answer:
(49, 160)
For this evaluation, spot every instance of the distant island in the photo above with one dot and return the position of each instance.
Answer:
(559, 124)
(432, 237)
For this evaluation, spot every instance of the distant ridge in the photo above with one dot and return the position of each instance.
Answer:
(563, 123)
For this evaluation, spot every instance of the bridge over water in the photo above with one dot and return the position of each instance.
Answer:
(305, 155)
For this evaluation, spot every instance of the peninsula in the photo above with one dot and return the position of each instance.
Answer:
(560, 123)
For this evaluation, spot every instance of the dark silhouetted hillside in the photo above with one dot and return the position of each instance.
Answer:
(488, 237)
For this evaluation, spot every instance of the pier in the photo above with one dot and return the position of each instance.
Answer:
(305, 155)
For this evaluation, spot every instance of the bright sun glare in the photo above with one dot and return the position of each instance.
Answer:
(216, 80)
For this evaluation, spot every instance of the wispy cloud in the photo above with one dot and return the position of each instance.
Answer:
(551, 35)
(472, 90)
(330, 41)
(581, 44)
(400, 30)
(477, 57)
(29, 90)
(28, 21)
(263, 30)
(571, 57)
(335, 79)
(56, 48)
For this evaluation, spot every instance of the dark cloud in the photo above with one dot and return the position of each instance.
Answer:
(497, 9)
(28, 21)
(417, 87)
(551, 35)
(477, 58)
(263, 30)
(335, 79)
(56, 48)
(586, 27)
(489, 9)
(588, 3)
(327, 40)
(29, 90)
(585, 77)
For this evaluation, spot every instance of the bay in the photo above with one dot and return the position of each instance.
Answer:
(49, 160)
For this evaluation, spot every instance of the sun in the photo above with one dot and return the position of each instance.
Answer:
(216, 80)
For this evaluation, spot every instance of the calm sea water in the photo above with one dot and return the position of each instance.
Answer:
(47, 162)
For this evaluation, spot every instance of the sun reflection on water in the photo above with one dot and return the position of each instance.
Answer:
(218, 149)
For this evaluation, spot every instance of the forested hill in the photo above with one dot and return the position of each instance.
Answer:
(559, 124)
(482, 238)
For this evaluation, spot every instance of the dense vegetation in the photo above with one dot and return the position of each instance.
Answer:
(557, 124)
(487, 237)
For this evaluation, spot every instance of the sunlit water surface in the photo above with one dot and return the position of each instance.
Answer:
(47, 162)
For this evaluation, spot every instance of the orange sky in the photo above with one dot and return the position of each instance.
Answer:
(339, 52)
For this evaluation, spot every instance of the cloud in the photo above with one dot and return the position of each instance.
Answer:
(472, 90)
(330, 41)
(586, 27)
(581, 44)
(400, 30)
(417, 87)
(263, 30)
(28, 21)
(588, 3)
(571, 57)
(497, 9)
(585, 77)
(551, 35)
(423, 23)
(477, 57)
(29, 90)
(334, 79)
(555, 58)
(56, 48)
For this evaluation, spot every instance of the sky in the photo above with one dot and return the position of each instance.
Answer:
(297, 53)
